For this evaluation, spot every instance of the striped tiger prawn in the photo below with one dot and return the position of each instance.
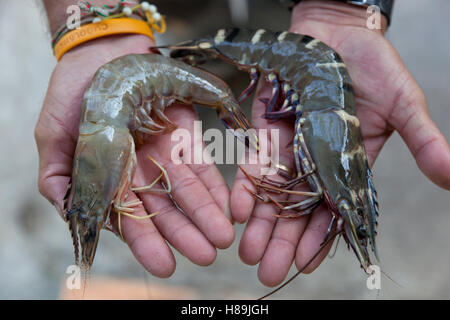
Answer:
(310, 83)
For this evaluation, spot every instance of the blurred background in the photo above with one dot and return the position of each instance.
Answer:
(35, 245)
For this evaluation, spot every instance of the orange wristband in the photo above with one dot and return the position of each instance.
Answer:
(103, 28)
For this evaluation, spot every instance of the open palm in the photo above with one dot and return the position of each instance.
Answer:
(387, 99)
(199, 190)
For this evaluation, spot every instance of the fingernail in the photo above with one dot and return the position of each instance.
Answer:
(58, 207)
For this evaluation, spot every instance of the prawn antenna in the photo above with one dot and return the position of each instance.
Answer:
(323, 245)
(390, 278)
(331, 256)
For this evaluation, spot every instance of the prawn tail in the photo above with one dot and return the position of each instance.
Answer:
(70, 217)
(74, 235)
(374, 209)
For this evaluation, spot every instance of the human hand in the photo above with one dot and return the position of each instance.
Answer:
(387, 98)
(199, 190)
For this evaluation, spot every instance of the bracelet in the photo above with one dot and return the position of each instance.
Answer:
(384, 5)
(107, 20)
(100, 29)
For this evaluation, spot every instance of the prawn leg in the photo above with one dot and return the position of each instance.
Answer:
(147, 121)
(302, 208)
(159, 111)
(299, 214)
(301, 149)
(254, 76)
(272, 102)
(288, 93)
(258, 183)
(127, 209)
(330, 226)
(149, 188)
(273, 189)
(119, 222)
(285, 111)
(285, 185)
(302, 205)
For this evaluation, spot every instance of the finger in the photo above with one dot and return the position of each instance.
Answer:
(185, 117)
(257, 233)
(428, 146)
(281, 249)
(210, 176)
(54, 188)
(191, 196)
(182, 234)
(55, 147)
(179, 231)
(206, 171)
(242, 201)
(259, 228)
(195, 200)
(312, 238)
(147, 244)
(188, 190)
(259, 108)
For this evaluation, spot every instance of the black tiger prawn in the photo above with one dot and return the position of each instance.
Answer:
(310, 83)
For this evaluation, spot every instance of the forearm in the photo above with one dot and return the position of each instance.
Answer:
(56, 10)
(334, 12)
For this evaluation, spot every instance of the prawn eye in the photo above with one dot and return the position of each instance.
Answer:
(73, 210)
(190, 57)
(191, 60)
(361, 231)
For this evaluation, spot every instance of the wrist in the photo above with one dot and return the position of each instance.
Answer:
(335, 13)
(111, 47)
(57, 10)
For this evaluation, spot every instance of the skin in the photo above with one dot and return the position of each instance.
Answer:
(272, 243)
(388, 99)
(199, 190)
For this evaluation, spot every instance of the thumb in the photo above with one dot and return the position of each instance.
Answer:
(429, 147)
(55, 147)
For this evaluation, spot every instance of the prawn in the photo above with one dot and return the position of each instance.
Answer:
(123, 106)
(310, 84)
